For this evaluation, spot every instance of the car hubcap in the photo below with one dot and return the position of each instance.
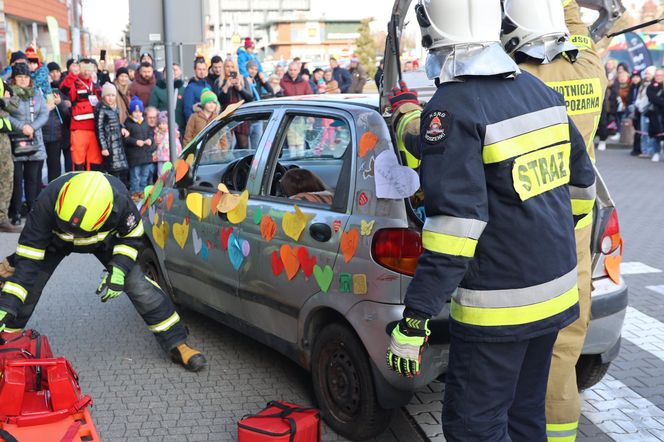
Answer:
(342, 381)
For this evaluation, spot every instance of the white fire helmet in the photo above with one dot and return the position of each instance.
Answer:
(447, 23)
(524, 23)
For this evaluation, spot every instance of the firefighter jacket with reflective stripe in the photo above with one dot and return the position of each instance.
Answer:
(84, 95)
(122, 233)
(581, 82)
(497, 158)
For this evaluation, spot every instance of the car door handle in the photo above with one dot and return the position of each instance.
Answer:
(320, 232)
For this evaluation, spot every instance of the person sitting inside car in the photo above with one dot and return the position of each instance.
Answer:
(301, 184)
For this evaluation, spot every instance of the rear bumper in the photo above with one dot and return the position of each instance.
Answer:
(609, 305)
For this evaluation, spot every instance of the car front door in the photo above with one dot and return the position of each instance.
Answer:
(297, 213)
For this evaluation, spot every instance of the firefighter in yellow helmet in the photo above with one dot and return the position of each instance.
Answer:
(89, 212)
(552, 43)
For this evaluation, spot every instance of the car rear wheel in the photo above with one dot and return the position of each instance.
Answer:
(344, 385)
(590, 370)
(150, 265)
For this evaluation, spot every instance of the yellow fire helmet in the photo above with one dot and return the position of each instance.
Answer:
(84, 203)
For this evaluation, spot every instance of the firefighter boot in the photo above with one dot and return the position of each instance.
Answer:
(192, 360)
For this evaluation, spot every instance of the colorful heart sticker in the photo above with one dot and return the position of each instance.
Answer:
(190, 159)
(181, 232)
(214, 202)
(235, 252)
(277, 264)
(323, 277)
(156, 191)
(181, 169)
(160, 234)
(294, 223)
(349, 243)
(246, 248)
(360, 284)
(258, 215)
(268, 228)
(166, 167)
(199, 205)
(197, 241)
(367, 143)
(169, 200)
(366, 227)
(205, 251)
(239, 213)
(152, 211)
(306, 262)
(224, 234)
(290, 260)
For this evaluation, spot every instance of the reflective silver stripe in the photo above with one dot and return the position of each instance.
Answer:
(80, 117)
(166, 324)
(85, 241)
(136, 232)
(122, 249)
(523, 124)
(583, 193)
(30, 252)
(516, 297)
(15, 289)
(561, 434)
(450, 225)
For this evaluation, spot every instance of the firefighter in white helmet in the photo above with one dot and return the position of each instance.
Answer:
(499, 156)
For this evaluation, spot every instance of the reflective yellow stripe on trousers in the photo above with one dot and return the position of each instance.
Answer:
(165, 324)
(515, 306)
(562, 432)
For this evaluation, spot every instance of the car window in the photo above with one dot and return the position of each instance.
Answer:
(312, 152)
(228, 149)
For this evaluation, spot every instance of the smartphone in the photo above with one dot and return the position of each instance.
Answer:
(233, 74)
(102, 55)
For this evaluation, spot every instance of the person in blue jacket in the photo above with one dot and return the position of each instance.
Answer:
(245, 55)
(341, 75)
(192, 93)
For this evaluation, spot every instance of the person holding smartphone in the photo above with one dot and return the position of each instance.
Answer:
(232, 90)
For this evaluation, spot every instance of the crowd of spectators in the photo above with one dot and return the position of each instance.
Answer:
(633, 110)
(91, 117)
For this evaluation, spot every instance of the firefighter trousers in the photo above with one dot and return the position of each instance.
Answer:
(154, 306)
(495, 391)
(563, 404)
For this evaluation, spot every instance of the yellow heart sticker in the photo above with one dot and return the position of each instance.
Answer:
(239, 212)
(190, 159)
(181, 232)
(160, 234)
(294, 223)
(199, 205)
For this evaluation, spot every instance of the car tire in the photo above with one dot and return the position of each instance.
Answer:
(150, 265)
(590, 370)
(344, 385)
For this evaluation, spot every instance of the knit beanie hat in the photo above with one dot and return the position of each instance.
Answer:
(136, 104)
(18, 55)
(121, 71)
(248, 43)
(31, 54)
(108, 88)
(208, 96)
(20, 69)
(162, 117)
(53, 66)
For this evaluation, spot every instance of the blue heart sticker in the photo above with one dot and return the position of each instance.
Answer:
(235, 252)
(204, 252)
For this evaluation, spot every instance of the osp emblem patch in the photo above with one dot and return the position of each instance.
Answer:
(437, 126)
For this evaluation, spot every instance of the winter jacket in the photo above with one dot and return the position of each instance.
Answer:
(162, 141)
(192, 95)
(122, 101)
(82, 95)
(243, 57)
(142, 89)
(138, 131)
(295, 87)
(159, 99)
(260, 90)
(655, 93)
(19, 115)
(343, 77)
(109, 134)
(233, 95)
(359, 79)
(196, 123)
(56, 128)
(42, 81)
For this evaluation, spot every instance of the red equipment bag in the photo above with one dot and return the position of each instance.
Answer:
(281, 421)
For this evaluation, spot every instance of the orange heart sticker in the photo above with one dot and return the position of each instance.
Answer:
(349, 242)
(367, 142)
(214, 202)
(268, 228)
(290, 259)
(169, 201)
(612, 266)
(181, 169)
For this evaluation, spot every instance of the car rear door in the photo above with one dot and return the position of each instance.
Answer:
(294, 243)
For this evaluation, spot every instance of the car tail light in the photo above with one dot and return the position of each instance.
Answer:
(397, 249)
(611, 239)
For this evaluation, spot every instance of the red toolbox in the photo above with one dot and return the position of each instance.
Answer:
(281, 421)
(40, 397)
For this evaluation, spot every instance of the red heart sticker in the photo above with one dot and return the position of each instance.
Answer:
(306, 262)
(363, 199)
(225, 233)
(277, 265)
(336, 225)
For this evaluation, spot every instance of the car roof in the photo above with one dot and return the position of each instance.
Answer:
(364, 100)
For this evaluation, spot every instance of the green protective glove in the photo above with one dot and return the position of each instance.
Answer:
(4, 317)
(409, 337)
(112, 284)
